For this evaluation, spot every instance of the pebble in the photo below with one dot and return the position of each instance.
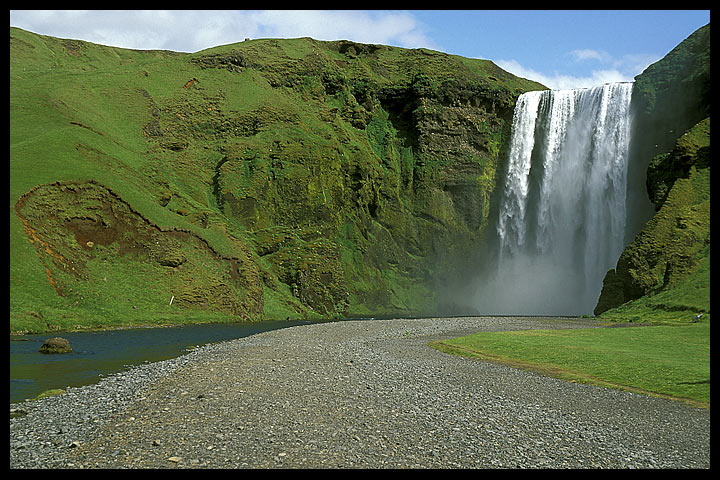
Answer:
(354, 394)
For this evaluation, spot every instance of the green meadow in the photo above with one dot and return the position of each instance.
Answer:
(668, 360)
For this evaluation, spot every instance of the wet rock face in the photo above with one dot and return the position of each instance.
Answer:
(56, 345)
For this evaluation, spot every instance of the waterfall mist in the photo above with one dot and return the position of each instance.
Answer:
(562, 208)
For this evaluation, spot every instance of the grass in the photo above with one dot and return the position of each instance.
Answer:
(671, 360)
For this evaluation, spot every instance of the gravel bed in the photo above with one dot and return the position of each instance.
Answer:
(354, 394)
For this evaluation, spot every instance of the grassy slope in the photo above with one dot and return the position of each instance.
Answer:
(64, 95)
(172, 135)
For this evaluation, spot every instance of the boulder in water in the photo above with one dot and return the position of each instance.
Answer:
(56, 345)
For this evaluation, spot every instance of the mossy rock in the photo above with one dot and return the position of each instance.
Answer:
(56, 345)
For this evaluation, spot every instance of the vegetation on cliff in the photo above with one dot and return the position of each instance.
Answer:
(664, 273)
(263, 179)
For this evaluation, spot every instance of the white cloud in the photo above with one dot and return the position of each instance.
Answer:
(558, 81)
(193, 30)
(635, 62)
(630, 64)
(588, 54)
(179, 30)
(387, 28)
(623, 69)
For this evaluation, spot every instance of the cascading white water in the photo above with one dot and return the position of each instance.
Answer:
(561, 222)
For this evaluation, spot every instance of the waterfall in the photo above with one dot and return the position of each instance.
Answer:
(562, 211)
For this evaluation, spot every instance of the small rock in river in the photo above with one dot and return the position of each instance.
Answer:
(56, 345)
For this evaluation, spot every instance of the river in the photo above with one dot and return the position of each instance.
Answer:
(96, 354)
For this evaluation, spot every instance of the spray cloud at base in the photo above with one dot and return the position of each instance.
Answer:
(562, 207)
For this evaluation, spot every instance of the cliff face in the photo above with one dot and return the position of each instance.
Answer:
(666, 267)
(264, 179)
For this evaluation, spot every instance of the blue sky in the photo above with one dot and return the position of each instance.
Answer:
(561, 49)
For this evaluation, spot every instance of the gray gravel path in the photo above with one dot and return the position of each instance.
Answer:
(355, 394)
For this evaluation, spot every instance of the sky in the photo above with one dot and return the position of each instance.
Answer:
(558, 48)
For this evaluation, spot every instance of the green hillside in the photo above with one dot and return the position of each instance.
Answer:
(261, 180)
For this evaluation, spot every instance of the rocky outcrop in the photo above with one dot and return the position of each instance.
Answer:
(669, 98)
(692, 149)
